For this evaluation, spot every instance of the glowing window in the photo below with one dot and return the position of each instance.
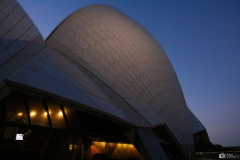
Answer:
(15, 108)
(37, 112)
(72, 117)
(56, 115)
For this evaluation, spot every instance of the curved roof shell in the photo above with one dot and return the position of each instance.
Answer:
(123, 54)
(18, 34)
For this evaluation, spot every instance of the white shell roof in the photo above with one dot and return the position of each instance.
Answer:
(125, 53)
(20, 40)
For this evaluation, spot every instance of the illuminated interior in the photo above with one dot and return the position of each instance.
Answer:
(49, 130)
(113, 150)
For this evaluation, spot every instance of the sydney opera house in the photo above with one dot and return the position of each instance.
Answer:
(99, 87)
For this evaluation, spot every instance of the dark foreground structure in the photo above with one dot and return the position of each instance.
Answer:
(99, 87)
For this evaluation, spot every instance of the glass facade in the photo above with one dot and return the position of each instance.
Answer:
(16, 110)
(37, 112)
(72, 118)
(32, 128)
(56, 115)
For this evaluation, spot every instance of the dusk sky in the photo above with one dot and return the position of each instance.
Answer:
(201, 39)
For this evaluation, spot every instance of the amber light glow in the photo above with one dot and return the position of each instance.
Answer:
(32, 113)
(70, 147)
(20, 114)
(45, 113)
(60, 113)
(123, 149)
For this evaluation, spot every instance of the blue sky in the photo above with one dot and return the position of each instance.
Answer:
(202, 40)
